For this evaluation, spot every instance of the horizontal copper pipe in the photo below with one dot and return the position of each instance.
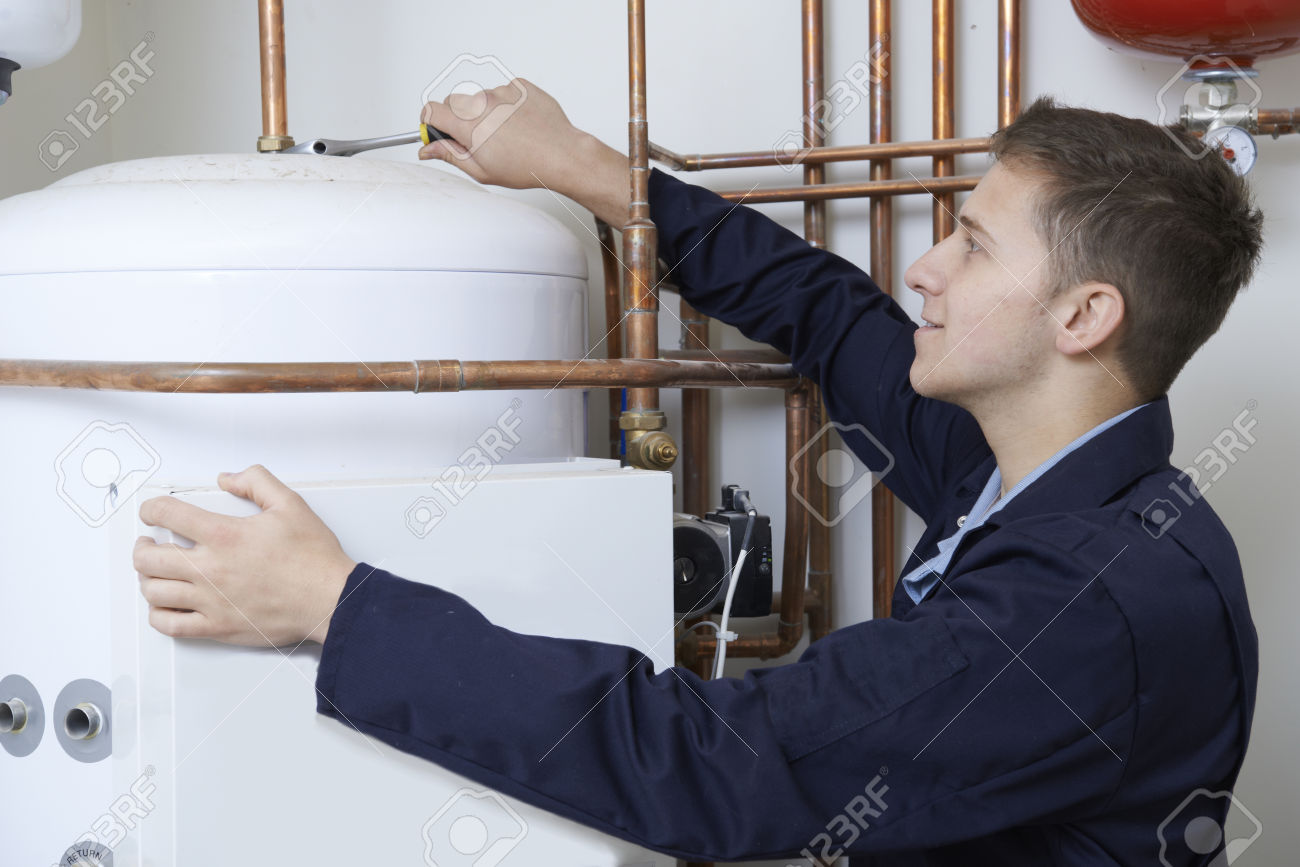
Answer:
(1277, 121)
(818, 155)
(750, 356)
(862, 189)
(415, 376)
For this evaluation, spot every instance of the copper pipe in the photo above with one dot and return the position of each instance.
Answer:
(943, 111)
(794, 573)
(696, 469)
(820, 581)
(392, 376)
(1276, 130)
(814, 127)
(640, 244)
(882, 265)
(613, 323)
(819, 536)
(755, 356)
(1277, 121)
(1278, 116)
(863, 189)
(275, 112)
(1008, 61)
(817, 605)
(818, 155)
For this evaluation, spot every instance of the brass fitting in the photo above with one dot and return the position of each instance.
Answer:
(271, 143)
(649, 446)
(651, 450)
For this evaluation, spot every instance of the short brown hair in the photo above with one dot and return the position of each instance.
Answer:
(1123, 203)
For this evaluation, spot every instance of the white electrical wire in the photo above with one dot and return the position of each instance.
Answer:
(720, 656)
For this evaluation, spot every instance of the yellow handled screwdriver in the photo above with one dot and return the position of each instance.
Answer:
(334, 148)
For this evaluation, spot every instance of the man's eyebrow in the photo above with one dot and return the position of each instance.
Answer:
(973, 225)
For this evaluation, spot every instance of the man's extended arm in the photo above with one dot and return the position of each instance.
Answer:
(738, 266)
(886, 735)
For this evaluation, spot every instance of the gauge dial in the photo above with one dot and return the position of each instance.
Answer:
(1236, 145)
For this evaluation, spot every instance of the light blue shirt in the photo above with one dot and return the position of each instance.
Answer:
(921, 580)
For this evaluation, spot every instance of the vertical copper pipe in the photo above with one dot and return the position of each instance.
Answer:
(820, 583)
(1008, 61)
(794, 568)
(814, 221)
(275, 113)
(613, 323)
(814, 123)
(944, 112)
(695, 463)
(882, 245)
(696, 488)
(640, 244)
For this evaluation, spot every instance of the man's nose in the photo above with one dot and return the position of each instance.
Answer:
(924, 276)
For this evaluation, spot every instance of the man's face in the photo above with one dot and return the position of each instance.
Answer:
(982, 286)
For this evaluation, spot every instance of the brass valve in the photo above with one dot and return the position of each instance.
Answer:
(649, 446)
(652, 450)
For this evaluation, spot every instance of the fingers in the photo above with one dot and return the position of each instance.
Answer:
(180, 517)
(179, 624)
(166, 593)
(164, 561)
(444, 149)
(257, 484)
(441, 115)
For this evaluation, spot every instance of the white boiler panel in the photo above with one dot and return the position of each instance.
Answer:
(240, 769)
(217, 259)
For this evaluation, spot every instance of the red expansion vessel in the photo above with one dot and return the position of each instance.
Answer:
(1237, 30)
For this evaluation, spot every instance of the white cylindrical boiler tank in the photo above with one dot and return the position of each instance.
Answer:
(238, 258)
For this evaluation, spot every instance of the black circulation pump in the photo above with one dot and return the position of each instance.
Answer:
(7, 70)
(704, 549)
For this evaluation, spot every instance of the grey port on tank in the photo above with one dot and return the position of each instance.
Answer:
(13, 716)
(22, 716)
(82, 722)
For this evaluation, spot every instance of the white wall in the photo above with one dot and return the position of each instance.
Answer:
(725, 75)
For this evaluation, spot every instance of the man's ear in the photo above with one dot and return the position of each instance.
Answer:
(1089, 313)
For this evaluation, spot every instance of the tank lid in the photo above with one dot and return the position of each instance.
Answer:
(276, 212)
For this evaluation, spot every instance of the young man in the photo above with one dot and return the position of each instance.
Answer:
(1064, 671)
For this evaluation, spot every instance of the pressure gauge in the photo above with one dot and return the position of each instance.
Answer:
(1236, 145)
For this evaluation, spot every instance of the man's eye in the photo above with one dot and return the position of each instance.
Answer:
(971, 245)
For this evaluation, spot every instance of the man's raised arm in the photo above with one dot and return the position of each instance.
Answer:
(736, 265)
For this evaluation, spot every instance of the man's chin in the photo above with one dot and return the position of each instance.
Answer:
(923, 381)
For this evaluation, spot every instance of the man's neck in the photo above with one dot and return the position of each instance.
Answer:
(1028, 430)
